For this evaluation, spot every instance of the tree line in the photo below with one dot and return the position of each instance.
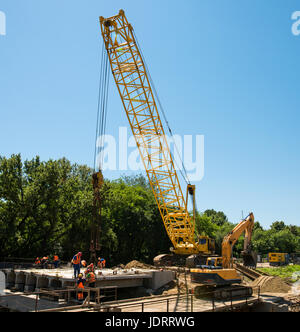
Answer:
(46, 207)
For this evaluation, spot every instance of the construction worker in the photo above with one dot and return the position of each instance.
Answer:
(101, 263)
(37, 261)
(44, 262)
(91, 279)
(55, 261)
(76, 264)
(91, 267)
(80, 286)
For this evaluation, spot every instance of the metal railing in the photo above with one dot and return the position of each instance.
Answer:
(179, 302)
(92, 296)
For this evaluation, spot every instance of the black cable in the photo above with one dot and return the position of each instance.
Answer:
(102, 108)
(98, 108)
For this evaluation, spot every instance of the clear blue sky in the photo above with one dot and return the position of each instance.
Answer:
(226, 69)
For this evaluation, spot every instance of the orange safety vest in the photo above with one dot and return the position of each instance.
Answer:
(80, 286)
(101, 263)
(91, 277)
(76, 260)
(56, 258)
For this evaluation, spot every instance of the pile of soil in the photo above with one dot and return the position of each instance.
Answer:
(174, 288)
(138, 265)
(271, 284)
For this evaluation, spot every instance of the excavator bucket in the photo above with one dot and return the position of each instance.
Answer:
(249, 258)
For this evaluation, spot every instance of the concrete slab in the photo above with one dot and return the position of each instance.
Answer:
(21, 303)
(36, 279)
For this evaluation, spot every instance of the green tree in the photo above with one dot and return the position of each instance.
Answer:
(218, 218)
(47, 208)
(278, 226)
(205, 226)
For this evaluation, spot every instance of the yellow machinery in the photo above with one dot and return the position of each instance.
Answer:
(219, 272)
(278, 259)
(132, 80)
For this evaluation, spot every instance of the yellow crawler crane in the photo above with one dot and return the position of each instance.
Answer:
(130, 75)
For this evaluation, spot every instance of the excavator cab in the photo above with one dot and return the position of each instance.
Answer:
(212, 263)
(215, 262)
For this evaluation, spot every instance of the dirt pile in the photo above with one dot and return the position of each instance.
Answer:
(271, 284)
(138, 265)
(294, 303)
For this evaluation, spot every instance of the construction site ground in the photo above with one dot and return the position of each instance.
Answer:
(174, 296)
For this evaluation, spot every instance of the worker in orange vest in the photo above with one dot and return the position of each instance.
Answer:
(76, 264)
(55, 261)
(91, 267)
(80, 286)
(37, 261)
(91, 279)
(44, 262)
(101, 263)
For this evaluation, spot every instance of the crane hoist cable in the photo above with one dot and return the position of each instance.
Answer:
(97, 178)
(101, 110)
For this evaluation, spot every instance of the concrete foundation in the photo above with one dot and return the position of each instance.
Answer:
(20, 281)
(37, 279)
(10, 279)
(159, 279)
(30, 283)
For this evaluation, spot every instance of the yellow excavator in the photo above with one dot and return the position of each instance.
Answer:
(140, 101)
(218, 275)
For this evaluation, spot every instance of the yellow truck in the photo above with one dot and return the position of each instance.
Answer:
(278, 259)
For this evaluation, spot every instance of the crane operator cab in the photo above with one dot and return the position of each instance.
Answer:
(206, 244)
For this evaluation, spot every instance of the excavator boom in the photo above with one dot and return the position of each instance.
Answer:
(245, 226)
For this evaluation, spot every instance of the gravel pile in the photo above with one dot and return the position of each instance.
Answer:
(138, 265)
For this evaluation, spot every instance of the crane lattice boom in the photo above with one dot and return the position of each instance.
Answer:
(133, 84)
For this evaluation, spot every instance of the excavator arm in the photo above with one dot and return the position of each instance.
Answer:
(245, 226)
(212, 276)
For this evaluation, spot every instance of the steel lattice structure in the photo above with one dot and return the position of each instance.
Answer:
(130, 74)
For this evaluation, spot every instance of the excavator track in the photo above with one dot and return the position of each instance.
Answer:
(222, 293)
